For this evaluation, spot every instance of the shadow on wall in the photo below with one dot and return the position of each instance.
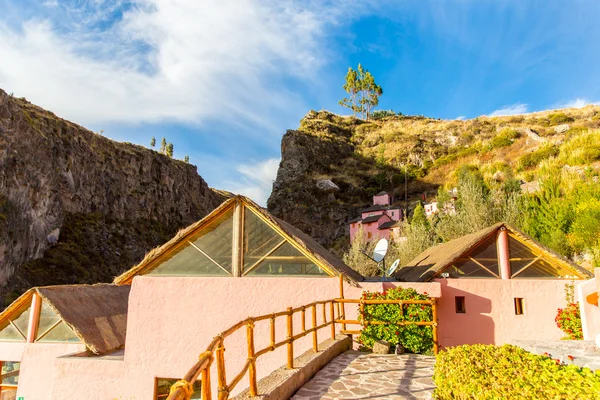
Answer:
(472, 326)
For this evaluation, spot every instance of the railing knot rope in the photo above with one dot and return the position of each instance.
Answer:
(224, 389)
(184, 385)
(251, 359)
(206, 354)
(250, 323)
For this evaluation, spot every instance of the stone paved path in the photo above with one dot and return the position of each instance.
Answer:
(355, 375)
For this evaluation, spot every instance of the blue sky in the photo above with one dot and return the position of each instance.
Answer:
(224, 79)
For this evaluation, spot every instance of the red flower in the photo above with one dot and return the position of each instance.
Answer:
(570, 357)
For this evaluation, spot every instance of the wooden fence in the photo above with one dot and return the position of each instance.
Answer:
(182, 389)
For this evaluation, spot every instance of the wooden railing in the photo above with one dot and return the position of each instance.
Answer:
(182, 390)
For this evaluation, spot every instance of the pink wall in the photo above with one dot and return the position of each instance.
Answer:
(490, 314)
(383, 200)
(397, 214)
(171, 321)
(37, 363)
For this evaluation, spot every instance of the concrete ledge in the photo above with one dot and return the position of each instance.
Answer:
(283, 383)
(583, 353)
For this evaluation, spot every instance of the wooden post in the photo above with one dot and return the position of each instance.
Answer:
(332, 317)
(290, 335)
(221, 376)
(314, 323)
(34, 317)
(503, 253)
(237, 238)
(206, 392)
(343, 313)
(324, 313)
(273, 332)
(435, 326)
(363, 319)
(303, 319)
(251, 358)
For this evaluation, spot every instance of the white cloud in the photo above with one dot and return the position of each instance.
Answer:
(577, 103)
(514, 109)
(460, 118)
(181, 60)
(256, 180)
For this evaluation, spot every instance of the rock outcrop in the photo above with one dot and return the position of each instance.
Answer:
(331, 166)
(63, 185)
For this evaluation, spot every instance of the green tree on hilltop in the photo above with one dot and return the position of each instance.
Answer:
(163, 146)
(352, 88)
(169, 150)
(186, 159)
(364, 92)
(152, 142)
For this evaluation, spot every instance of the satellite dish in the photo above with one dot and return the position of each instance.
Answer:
(393, 267)
(380, 251)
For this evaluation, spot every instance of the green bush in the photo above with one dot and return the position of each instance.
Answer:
(559, 118)
(509, 372)
(378, 114)
(504, 138)
(414, 338)
(531, 160)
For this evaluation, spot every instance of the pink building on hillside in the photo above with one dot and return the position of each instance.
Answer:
(379, 220)
(136, 337)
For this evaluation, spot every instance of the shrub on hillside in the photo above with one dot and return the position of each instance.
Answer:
(504, 138)
(414, 338)
(509, 372)
(559, 118)
(531, 160)
(378, 114)
(581, 149)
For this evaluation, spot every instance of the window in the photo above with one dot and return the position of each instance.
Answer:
(524, 263)
(369, 234)
(481, 262)
(14, 329)
(163, 386)
(459, 303)
(9, 379)
(519, 310)
(207, 253)
(266, 252)
(52, 328)
(392, 213)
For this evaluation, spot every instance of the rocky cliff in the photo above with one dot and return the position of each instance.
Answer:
(331, 166)
(78, 207)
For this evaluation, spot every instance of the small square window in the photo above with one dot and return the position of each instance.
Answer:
(519, 308)
(369, 234)
(459, 302)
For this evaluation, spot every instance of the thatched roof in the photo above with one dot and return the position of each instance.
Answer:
(326, 260)
(430, 263)
(97, 314)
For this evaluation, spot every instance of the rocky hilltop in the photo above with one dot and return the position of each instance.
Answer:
(76, 207)
(332, 166)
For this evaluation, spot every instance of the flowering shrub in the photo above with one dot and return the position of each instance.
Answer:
(509, 372)
(568, 319)
(416, 339)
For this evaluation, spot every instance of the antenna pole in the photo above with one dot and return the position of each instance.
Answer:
(405, 194)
